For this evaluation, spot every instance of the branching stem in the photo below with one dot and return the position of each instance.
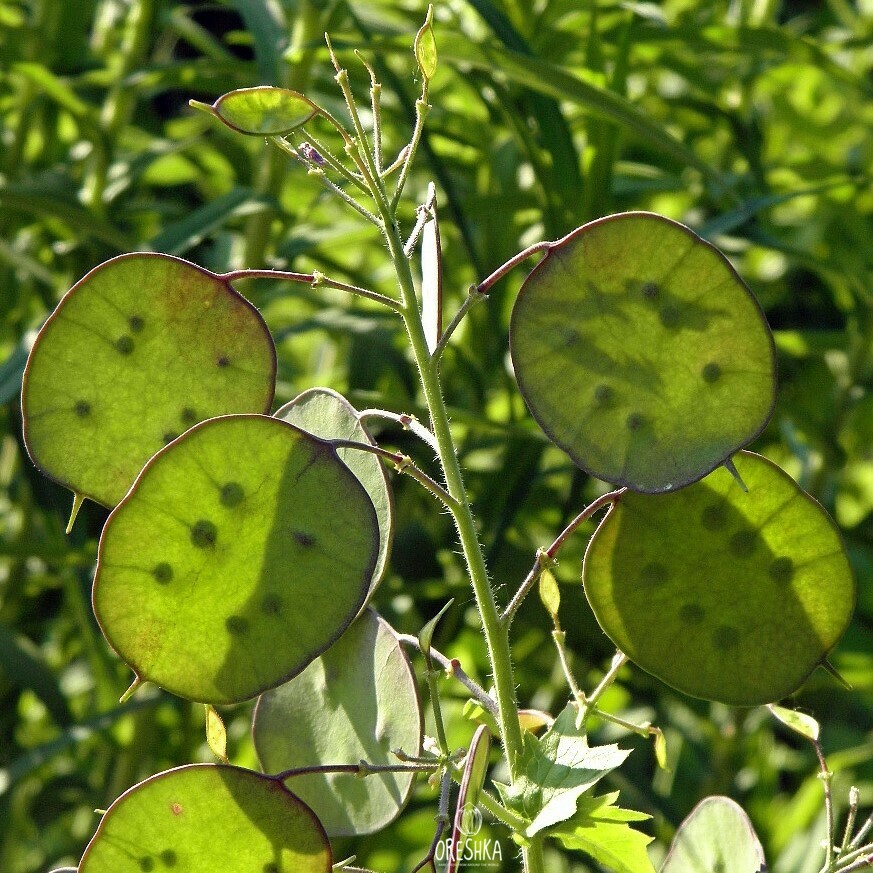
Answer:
(406, 421)
(826, 777)
(546, 557)
(402, 464)
(485, 285)
(474, 295)
(453, 667)
(362, 768)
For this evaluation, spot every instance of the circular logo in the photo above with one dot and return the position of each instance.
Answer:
(470, 820)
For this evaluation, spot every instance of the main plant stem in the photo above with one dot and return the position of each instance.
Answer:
(496, 638)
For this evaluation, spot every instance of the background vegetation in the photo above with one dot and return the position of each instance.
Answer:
(748, 120)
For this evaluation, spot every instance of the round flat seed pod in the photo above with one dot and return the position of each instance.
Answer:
(629, 329)
(358, 701)
(138, 351)
(328, 415)
(207, 817)
(264, 110)
(725, 595)
(716, 836)
(242, 552)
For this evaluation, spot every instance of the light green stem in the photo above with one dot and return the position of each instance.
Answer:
(496, 637)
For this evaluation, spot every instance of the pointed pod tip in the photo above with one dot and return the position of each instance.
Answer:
(832, 670)
(208, 108)
(78, 500)
(731, 468)
(137, 682)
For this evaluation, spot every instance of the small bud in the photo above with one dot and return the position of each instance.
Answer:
(425, 47)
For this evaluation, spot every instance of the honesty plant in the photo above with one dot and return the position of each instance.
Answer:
(242, 549)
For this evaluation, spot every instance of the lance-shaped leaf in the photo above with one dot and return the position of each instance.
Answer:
(262, 111)
(243, 550)
(358, 701)
(630, 329)
(138, 351)
(724, 594)
(326, 414)
(717, 835)
(555, 771)
(206, 817)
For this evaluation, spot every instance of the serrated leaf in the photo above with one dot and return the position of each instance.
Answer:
(723, 594)
(242, 552)
(555, 770)
(601, 830)
(216, 733)
(328, 415)
(358, 701)
(629, 328)
(717, 835)
(139, 350)
(206, 817)
(799, 722)
(263, 110)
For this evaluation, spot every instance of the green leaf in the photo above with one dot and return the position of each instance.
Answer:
(628, 329)
(723, 594)
(475, 712)
(241, 553)
(216, 733)
(425, 47)
(550, 593)
(799, 722)
(328, 415)
(356, 702)
(263, 110)
(137, 351)
(601, 830)
(425, 635)
(207, 817)
(555, 771)
(717, 835)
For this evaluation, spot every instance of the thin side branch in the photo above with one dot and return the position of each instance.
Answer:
(826, 778)
(319, 280)
(442, 819)
(406, 421)
(453, 667)
(361, 769)
(474, 295)
(314, 279)
(402, 464)
(485, 285)
(546, 557)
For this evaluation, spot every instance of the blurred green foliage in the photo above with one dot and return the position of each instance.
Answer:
(749, 120)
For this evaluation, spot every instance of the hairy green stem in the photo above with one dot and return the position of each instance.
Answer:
(434, 691)
(402, 464)
(545, 557)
